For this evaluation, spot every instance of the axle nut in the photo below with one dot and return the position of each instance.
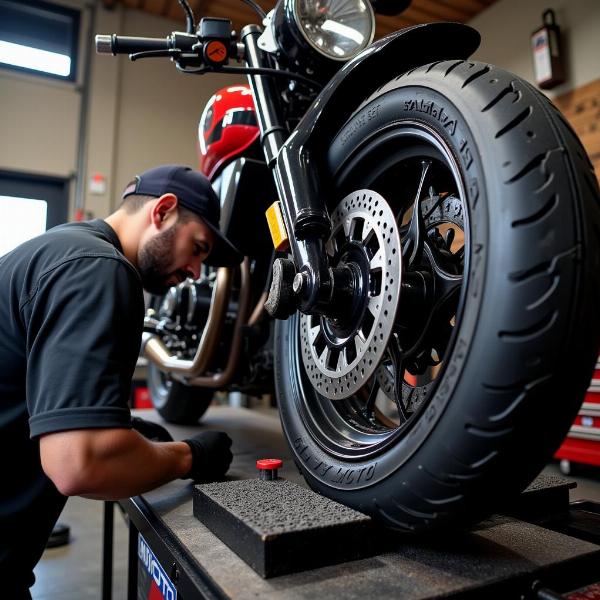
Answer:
(299, 283)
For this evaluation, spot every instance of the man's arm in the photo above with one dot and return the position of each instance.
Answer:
(109, 464)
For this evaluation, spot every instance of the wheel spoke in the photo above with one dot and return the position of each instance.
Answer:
(446, 294)
(370, 404)
(449, 238)
(413, 246)
(443, 330)
(445, 284)
(398, 363)
(436, 205)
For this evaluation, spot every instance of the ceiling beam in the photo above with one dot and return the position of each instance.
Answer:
(241, 14)
(166, 7)
(441, 10)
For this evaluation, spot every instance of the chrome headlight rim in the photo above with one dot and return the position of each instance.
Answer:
(292, 9)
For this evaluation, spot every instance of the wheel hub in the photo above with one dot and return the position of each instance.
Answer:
(340, 354)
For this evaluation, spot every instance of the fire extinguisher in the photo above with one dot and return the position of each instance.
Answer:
(547, 53)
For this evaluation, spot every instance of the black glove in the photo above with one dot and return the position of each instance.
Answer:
(211, 455)
(151, 431)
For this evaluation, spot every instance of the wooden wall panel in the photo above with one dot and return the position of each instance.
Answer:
(421, 11)
(157, 7)
(581, 107)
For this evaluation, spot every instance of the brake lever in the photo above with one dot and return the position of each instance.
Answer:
(171, 52)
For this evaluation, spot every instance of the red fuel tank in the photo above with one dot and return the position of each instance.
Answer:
(228, 127)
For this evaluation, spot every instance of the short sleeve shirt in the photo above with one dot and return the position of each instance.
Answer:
(71, 318)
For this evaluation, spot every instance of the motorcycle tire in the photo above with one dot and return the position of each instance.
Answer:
(176, 402)
(526, 331)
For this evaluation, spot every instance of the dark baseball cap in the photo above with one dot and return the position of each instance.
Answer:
(194, 192)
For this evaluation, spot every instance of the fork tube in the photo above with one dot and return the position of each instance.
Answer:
(308, 225)
(273, 131)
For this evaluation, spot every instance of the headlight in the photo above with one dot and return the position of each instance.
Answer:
(316, 33)
(337, 28)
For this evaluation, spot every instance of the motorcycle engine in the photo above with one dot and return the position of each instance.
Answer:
(182, 313)
(181, 316)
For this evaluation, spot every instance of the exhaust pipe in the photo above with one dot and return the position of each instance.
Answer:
(192, 371)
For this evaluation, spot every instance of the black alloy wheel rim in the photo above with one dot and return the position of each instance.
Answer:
(405, 160)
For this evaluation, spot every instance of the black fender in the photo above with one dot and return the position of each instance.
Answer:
(299, 157)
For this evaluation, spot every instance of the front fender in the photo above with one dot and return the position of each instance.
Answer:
(296, 170)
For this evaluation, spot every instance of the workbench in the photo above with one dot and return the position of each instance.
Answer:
(500, 558)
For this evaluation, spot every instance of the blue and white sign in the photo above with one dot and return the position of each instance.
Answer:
(158, 577)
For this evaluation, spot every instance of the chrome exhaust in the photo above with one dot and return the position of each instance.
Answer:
(192, 372)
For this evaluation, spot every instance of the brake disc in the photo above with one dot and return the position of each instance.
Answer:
(339, 364)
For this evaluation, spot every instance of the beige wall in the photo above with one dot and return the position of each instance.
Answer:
(506, 29)
(38, 125)
(39, 120)
(152, 109)
(140, 114)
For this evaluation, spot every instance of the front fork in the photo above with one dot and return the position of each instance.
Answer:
(311, 284)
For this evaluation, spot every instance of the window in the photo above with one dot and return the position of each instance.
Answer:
(22, 219)
(39, 37)
(30, 204)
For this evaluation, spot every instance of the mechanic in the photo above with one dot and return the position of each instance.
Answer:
(71, 313)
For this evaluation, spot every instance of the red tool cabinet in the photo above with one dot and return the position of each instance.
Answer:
(582, 444)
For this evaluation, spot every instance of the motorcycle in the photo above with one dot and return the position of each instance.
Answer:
(425, 294)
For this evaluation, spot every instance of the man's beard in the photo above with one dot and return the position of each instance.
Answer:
(154, 260)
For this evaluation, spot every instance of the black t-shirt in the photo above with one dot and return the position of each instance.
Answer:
(71, 318)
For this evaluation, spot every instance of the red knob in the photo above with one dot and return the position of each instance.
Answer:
(269, 464)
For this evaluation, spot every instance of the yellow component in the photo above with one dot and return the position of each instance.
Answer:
(277, 227)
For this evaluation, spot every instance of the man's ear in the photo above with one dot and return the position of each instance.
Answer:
(163, 208)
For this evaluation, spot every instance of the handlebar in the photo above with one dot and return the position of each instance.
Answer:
(212, 45)
(122, 44)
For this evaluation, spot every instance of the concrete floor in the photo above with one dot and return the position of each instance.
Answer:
(74, 572)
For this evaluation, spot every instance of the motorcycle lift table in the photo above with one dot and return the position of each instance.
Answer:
(543, 547)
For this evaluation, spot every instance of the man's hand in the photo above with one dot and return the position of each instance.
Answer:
(211, 455)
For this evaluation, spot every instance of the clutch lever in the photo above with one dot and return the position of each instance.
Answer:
(171, 52)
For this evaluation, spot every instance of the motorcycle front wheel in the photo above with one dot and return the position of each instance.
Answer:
(438, 415)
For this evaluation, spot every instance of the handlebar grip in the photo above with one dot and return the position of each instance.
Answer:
(122, 44)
